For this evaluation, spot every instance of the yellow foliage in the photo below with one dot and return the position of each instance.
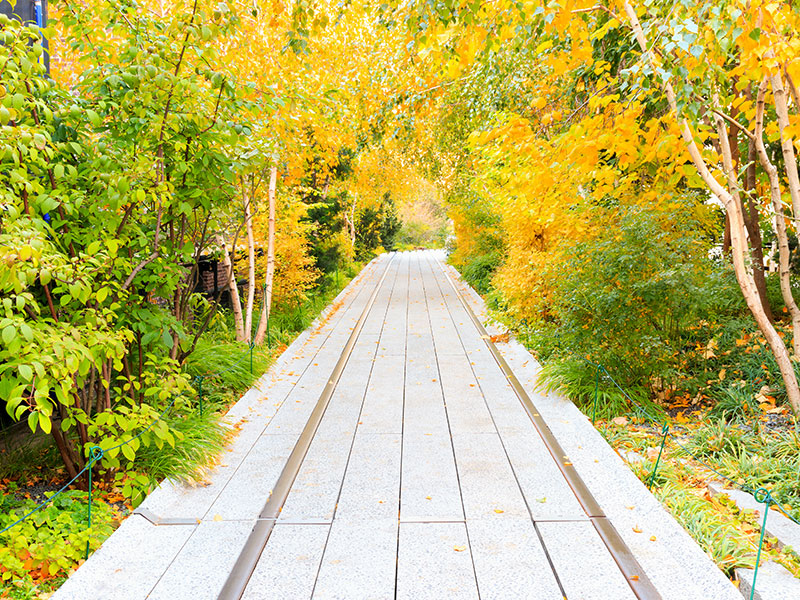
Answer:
(294, 266)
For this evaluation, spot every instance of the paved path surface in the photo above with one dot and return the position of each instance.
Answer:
(425, 479)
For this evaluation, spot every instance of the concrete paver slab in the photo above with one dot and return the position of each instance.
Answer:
(429, 488)
(434, 562)
(200, 568)
(510, 561)
(360, 561)
(245, 493)
(488, 484)
(129, 564)
(585, 568)
(289, 565)
(371, 485)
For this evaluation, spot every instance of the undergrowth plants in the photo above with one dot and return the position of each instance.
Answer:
(727, 534)
(38, 553)
(52, 541)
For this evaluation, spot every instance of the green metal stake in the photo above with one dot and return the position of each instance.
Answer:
(664, 433)
(95, 454)
(251, 358)
(596, 384)
(761, 495)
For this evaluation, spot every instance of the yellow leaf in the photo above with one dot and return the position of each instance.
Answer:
(459, 548)
(637, 529)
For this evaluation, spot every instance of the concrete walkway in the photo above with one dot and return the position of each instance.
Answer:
(425, 479)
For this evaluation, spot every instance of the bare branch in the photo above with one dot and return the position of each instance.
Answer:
(735, 123)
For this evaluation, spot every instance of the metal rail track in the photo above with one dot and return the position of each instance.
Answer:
(245, 565)
(640, 584)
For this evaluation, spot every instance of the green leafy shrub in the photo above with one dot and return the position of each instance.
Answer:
(628, 298)
(479, 269)
(53, 540)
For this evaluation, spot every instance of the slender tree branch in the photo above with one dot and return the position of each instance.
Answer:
(735, 123)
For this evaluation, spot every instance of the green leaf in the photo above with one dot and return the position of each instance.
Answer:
(45, 423)
(166, 337)
(25, 372)
(94, 118)
(128, 452)
(9, 333)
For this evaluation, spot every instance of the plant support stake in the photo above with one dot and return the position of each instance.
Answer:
(761, 495)
(95, 454)
(664, 434)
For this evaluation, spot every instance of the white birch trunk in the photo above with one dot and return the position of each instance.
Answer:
(779, 220)
(251, 261)
(267, 306)
(230, 280)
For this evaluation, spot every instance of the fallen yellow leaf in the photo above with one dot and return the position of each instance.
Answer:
(637, 529)
(459, 548)
(218, 517)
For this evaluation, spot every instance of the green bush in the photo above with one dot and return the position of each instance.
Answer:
(479, 270)
(629, 297)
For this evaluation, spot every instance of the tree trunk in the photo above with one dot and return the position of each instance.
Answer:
(251, 262)
(350, 221)
(61, 444)
(732, 203)
(753, 225)
(267, 305)
(779, 221)
(726, 235)
(230, 280)
(787, 143)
